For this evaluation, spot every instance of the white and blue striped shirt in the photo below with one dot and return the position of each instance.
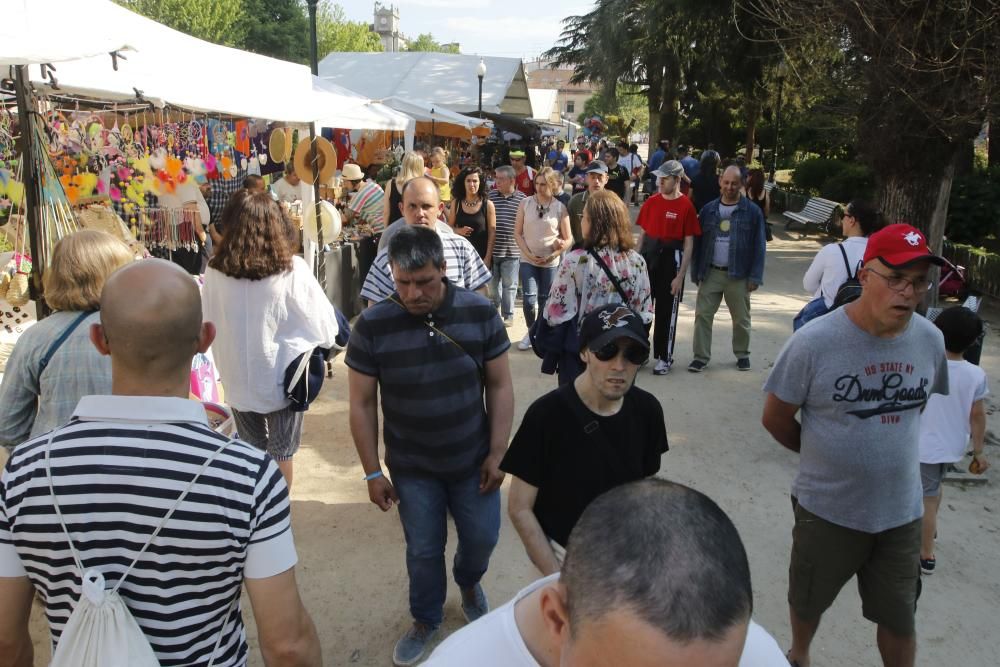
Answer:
(117, 468)
(463, 267)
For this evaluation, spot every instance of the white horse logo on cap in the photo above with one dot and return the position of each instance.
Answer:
(912, 238)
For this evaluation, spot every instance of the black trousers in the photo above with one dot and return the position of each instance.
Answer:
(660, 277)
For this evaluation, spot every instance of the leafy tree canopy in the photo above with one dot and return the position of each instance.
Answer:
(426, 42)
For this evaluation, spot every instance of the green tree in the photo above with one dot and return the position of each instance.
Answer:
(426, 42)
(335, 33)
(276, 28)
(218, 21)
(626, 109)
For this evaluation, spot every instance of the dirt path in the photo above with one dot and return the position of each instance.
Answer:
(352, 570)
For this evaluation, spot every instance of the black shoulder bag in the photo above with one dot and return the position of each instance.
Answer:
(850, 289)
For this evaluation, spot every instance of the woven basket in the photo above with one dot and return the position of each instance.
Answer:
(17, 291)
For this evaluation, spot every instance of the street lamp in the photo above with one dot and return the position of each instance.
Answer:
(313, 152)
(781, 72)
(481, 73)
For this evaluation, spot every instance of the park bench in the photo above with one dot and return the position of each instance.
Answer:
(817, 211)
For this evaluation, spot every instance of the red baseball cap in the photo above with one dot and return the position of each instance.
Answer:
(899, 245)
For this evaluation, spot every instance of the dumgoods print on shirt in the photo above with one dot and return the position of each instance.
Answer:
(890, 385)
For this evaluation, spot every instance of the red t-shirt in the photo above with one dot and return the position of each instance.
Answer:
(669, 219)
(525, 181)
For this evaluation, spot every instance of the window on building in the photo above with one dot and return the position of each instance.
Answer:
(570, 106)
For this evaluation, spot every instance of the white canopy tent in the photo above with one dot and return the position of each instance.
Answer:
(444, 79)
(169, 67)
(369, 115)
(49, 31)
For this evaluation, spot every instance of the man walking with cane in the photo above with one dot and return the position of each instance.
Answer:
(670, 224)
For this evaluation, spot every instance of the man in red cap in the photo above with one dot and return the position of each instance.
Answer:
(860, 376)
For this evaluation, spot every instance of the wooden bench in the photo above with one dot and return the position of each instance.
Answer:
(769, 186)
(817, 211)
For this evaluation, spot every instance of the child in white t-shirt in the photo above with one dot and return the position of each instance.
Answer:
(948, 421)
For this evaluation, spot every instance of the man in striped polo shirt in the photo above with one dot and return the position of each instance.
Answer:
(438, 354)
(506, 256)
(118, 467)
(422, 207)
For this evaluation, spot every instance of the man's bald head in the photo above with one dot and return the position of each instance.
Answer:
(731, 184)
(151, 318)
(421, 203)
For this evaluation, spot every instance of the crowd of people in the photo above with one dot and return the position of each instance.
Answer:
(115, 476)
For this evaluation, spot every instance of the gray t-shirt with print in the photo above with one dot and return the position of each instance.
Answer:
(860, 399)
(720, 253)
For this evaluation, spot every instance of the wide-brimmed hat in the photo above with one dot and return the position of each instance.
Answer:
(326, 160)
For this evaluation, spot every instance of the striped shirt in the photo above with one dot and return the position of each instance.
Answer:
(434, 417)
(463, 267)
(117, 468)
(33, 401)
(506, 212)
(367, 205)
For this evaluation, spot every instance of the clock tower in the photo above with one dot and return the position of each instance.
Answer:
(386, 26)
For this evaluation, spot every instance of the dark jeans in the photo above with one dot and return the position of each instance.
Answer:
(424, 504)
(660, 277)
(535, 284)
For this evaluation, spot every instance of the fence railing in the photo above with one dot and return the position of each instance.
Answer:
(982, 270)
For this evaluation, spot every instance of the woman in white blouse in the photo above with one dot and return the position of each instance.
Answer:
(837, 262)
(268, 309)
(542, 233)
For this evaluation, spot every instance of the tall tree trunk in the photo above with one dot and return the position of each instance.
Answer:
(993, 139)
(654, 100)
(752, 106)
(670, 96)
(920, 199)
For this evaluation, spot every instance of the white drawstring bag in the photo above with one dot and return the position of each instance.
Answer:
(101, 631)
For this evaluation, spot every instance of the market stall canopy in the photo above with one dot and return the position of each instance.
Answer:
(436, 119)
(170, 67)
(446, 79)
(544, 105)
(360, 113)
(51, 31)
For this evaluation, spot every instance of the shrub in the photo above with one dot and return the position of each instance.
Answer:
(811, 174)
(972, 215)
(855, 181)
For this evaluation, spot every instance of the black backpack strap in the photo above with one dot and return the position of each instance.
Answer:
(62, 339)
(591, 427)
(847, 264)
(612, 277)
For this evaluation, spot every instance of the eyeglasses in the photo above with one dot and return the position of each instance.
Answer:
(899, 284)
(634, 354)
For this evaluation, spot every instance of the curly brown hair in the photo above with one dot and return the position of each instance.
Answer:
(610, 225)
(255, 237)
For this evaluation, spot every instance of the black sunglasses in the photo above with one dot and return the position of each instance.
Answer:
(634, 354)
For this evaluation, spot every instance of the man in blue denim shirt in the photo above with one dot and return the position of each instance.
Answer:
(728, 262)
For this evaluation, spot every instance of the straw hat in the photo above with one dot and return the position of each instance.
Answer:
(352, 172)
(326, 160)
(276, 145)
(329, 218)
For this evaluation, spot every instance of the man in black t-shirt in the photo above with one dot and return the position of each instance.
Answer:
(618, 176)
(584, 438)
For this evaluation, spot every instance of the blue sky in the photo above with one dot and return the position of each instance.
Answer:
(511, 28)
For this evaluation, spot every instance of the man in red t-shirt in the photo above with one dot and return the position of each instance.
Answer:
(524, 176)
(669, 223)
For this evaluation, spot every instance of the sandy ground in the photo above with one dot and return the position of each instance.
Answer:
(352, 570)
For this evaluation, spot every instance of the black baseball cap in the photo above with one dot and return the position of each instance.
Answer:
(609, 323)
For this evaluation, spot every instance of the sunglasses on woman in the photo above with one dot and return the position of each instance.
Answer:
(634, 354)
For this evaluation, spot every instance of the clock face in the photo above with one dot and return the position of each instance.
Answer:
(383, 20)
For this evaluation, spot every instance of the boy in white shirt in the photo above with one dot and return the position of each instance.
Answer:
(948, 421)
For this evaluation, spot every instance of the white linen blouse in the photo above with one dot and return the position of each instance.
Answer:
(261, 327)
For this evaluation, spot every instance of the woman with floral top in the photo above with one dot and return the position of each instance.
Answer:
(581, 285)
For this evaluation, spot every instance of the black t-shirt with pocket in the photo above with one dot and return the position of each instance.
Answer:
(551, 452)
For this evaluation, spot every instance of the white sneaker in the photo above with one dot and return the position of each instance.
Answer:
(661, 368)
(525, 343)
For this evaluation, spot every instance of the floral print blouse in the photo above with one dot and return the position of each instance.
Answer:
(581, 285)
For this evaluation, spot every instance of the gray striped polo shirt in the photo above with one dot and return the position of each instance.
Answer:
(506, 209)
(432, 396)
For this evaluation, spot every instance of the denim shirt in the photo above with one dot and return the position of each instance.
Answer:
(747, 242)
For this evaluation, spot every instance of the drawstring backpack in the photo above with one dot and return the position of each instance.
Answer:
(101, 631)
